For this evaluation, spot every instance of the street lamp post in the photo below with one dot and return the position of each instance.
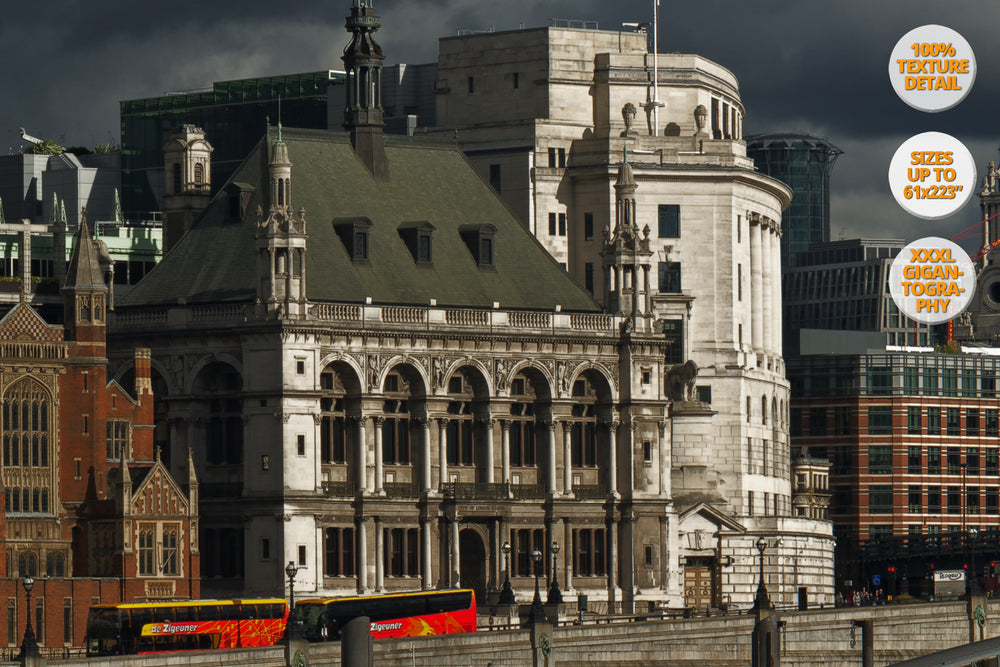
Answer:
(537, 612)
(973, 581)
(29, 646)
(761, 600)
(555, 595)
(506, 592)
(291, 570)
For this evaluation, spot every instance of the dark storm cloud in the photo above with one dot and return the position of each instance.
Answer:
(819, 67)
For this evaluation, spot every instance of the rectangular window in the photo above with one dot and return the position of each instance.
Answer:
(913, 462)
(880, 499)
(302, 555)
(300, 445)
(991, 462)
(953, 421)
(971, 421)
(989, 385)
(552, 224)
(954, 500)
(146, 550)
(117, 440)
(817, 421)
(562, 157)
(913, 419)
(40, 621)
(739, 282)
(880, 460)
(879, 420)
(11, 622)
(911, 381)
(991, 422)
(339, 552)
(842, 420)
(495, 177)
(588, 226)
(670, 277)
(972, 460)
(969, 383)
(588, 556)
(972, 500)
(669, 217)
(914, 501)
(992, 500)
(170, 556)
(68, 621)
(552, 156)
(526, 540)
(401, 552)
(933, 421)
(954, 458)
(933, 460)
(930, 382)
(934, 499)
(949, 382)
(265, 548)
(562, 224)
(588, 276)
(879, 381)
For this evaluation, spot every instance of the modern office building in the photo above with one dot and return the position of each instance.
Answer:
(844, 286)
(804, 163)
(385, 378)
(233, 113)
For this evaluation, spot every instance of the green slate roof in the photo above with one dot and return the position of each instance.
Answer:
(429, 183)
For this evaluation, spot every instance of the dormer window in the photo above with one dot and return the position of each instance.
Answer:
(480, 241)
(418, 237)
(355, 234)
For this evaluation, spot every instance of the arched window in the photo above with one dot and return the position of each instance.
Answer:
(26, 426)
(583, 435)
(460, 431)
(522, 423)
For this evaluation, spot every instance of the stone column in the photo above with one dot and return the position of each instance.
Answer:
(361, 456)
(612, 437)
(756, 298)
(362, 531)
(664, 553)
(425, 555)
(379, 555)
(568, 552)
(550, 477)
(425, 429)
(567, 429)
(505, 450)
(378, 422)
(648, 306)
(665, 458)
(488, 424)
(612, 562)
(766, 279)
(443, 451)
(456, 570)
(776, 310)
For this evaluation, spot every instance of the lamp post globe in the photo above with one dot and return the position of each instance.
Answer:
(506, 591)
(555, 595)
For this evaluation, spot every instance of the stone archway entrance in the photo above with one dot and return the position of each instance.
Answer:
(472, 561)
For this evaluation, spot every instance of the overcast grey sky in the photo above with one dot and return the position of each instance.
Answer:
(803, 65)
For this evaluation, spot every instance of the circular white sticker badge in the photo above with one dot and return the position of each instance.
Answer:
(932, 68)
(932, 175)
(932, 280)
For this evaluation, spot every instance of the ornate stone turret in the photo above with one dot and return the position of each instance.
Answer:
(188, 181)
(84, 292)
(281, 243)
(363, 64)
(626, 253)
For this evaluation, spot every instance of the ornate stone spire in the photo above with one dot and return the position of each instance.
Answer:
(363, 64)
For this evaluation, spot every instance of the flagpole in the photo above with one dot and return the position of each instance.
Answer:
(656, 73)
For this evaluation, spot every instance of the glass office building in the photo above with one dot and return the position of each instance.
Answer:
(804, 163)
(234, 115)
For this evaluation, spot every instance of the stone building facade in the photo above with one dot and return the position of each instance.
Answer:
(386, 379)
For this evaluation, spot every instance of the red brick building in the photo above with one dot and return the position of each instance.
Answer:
(914, 442)
(89, 510)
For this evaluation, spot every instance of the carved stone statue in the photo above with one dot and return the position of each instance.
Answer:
(680, 381)
(628, 115)
(700, 118)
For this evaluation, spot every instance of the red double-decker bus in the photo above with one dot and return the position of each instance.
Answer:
(191, 625)
(394, 615)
